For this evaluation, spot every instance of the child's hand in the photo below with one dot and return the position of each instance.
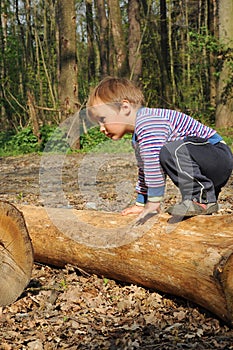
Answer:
(149, 210)
(135, 209)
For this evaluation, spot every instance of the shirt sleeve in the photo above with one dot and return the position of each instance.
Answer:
(150, 139)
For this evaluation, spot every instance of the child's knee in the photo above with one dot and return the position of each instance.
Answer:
(169, 150)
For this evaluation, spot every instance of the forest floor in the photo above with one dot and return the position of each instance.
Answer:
(70, 309)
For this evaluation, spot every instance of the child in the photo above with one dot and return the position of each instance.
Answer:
(166, 142)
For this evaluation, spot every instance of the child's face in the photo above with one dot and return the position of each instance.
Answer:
(112, 120)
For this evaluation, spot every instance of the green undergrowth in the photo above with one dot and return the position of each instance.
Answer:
(227, 135)
(54, 140)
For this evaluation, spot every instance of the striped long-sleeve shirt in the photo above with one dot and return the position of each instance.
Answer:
(155, 127)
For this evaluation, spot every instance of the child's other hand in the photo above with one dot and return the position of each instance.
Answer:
(135, 209)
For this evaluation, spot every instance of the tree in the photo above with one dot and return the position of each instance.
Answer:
(118, 47)
(3, 31)
(165, 44)
(67, 59)
(213, 28)
(90, 40)
(170, 46)
(224, 112)
(103, 42)
(134, 44)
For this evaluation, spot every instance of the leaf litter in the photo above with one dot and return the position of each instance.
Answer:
(70, 309)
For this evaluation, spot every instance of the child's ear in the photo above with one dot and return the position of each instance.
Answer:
(126, 107)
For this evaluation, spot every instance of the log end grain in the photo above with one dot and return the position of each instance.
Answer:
(16, 254)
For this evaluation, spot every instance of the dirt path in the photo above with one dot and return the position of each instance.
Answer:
(68, 309)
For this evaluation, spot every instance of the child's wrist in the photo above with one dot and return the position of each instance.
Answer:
(156, 199)
(139, 204)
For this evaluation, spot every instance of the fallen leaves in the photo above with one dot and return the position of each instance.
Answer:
(90, 312)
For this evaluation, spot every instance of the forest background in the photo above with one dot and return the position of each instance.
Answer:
(54, 51)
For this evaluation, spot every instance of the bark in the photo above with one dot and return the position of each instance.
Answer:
(192, 259)
(103, 36)
(68, 82)
(212, 25)
(164, 32)
(33, 115)
(3, 72)
(171, 54)
(135, 58)
(224, 112)
(119, 45)
(29, 41)
(16, 254)
(90, 40)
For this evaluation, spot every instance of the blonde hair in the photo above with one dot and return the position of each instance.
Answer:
(115, 90)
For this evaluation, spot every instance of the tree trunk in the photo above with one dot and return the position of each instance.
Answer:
(212, 25)
(103, 37)
(68, 82)
(171, 54)
(16, 254)
(119, 44)
(3, 72)
(34, 119)
(224, 112)
(90, 41)
(134, 45)
(164, 33)
(29, 36)
(191, 258)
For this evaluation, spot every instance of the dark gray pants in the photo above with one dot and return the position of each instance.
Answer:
(198, 168)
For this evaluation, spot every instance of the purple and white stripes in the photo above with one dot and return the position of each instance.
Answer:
(155, 127)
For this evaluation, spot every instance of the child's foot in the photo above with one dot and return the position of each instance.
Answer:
(191, 208)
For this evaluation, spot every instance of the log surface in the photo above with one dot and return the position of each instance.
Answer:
(16, 254)
(192, 259)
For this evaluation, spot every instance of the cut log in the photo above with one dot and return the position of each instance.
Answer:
(192, 258)
(16, 254)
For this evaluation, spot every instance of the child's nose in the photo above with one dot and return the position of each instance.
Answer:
(102, 128)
